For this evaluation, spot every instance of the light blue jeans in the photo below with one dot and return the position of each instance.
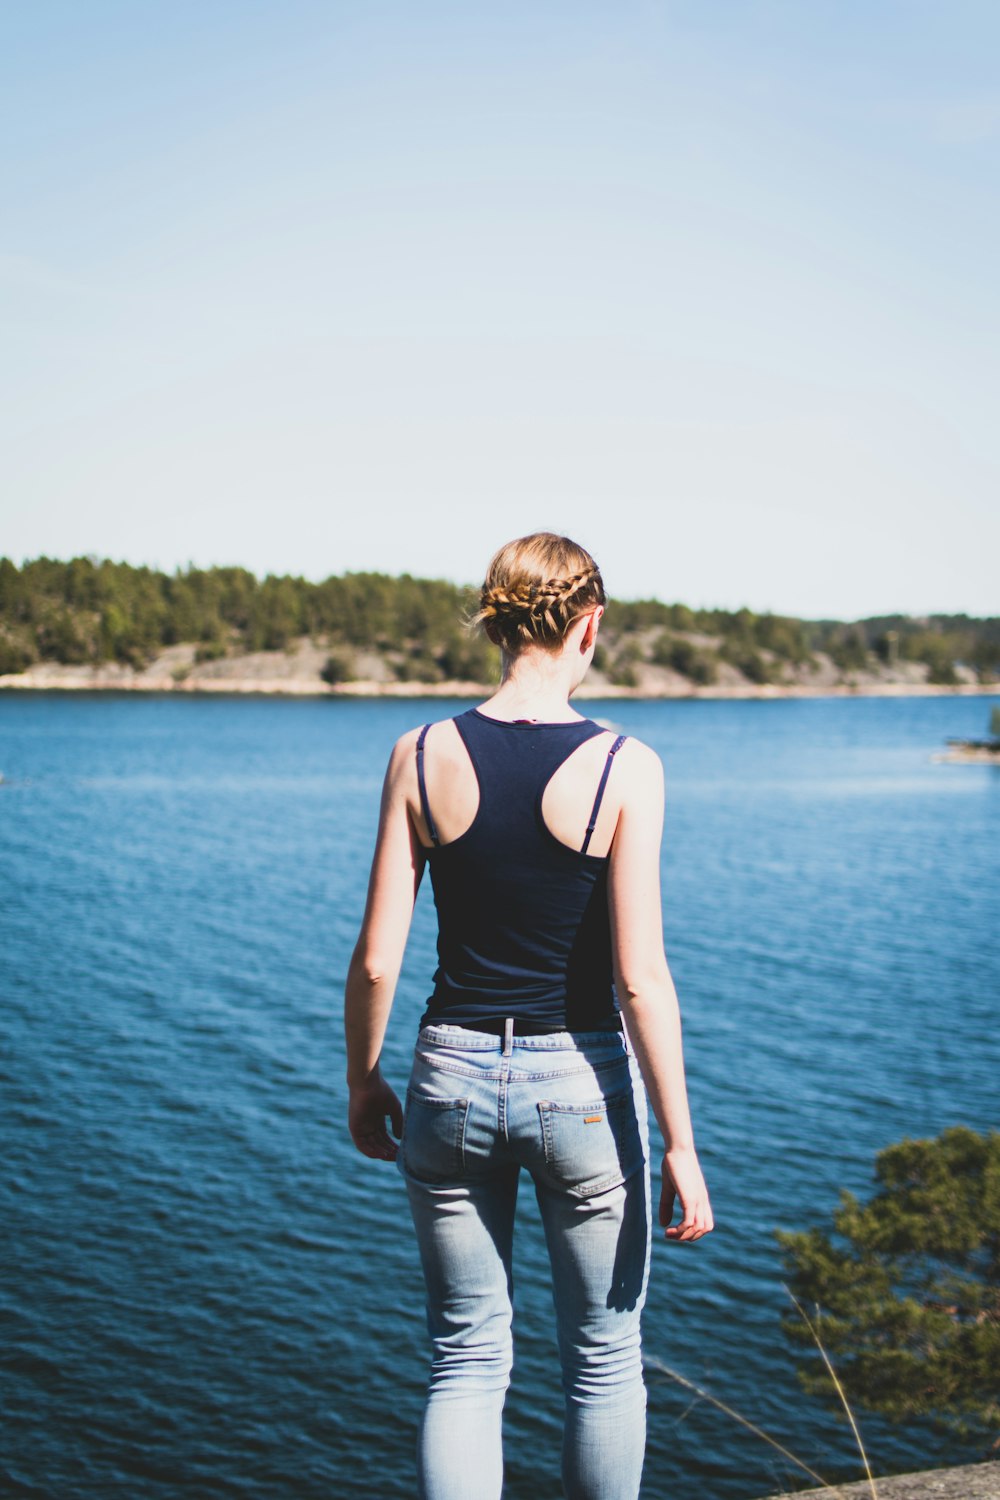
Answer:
(570, 1108)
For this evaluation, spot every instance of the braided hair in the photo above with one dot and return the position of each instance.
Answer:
(535, 588)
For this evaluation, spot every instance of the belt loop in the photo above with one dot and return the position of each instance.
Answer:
(627, 1039)
(508, 1035)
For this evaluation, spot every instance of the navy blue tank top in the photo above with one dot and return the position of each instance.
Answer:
(523, 924)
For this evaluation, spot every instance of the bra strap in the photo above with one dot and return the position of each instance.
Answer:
(619, 742)
(425, 806)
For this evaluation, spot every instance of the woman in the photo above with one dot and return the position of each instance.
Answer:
(542, 832)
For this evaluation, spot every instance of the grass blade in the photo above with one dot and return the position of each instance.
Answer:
(838, 1388)
(651, 1359)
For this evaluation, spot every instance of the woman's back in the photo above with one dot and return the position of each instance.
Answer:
(523, 913)
(453, 789)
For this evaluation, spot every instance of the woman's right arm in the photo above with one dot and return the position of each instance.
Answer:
(646, 990)
(397, 866)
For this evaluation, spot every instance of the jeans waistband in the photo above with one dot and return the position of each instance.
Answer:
(525, 1026)
(505, 1037)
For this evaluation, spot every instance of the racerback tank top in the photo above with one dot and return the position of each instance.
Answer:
(523, 925)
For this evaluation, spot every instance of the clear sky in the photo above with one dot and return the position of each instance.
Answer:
(710, 285)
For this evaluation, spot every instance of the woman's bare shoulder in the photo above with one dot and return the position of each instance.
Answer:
(641, 785)
(407, 743)
(442, 740)
(641, 759)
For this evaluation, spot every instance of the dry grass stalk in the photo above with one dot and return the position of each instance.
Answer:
(651, 1359)
(832, 1489)
(839, 1389)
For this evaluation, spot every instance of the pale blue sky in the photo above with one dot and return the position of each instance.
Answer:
(316, 286)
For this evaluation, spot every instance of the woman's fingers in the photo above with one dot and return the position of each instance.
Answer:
(692, 1228)
(696, 1220)
(396, 1115)
(381, 1150)
(376, 1144)
(368, 1110)
(668, 1198)
(682, 1179)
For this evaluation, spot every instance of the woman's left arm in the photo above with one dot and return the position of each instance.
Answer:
(397, 867)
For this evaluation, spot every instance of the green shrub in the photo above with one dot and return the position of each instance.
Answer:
(782, 636)
(210, 651)
(849, 650)
(682, 655)
(624, 672)
(748, 660)
(468, 657)
(15, 656)
(337, 668)
(907, 1286)
(61, 638)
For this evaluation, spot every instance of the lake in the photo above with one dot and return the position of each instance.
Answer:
(205, 1291)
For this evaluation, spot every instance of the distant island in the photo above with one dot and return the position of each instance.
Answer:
(99, 625)
(976, 752)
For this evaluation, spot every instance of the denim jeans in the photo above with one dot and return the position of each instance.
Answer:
(570, 1108)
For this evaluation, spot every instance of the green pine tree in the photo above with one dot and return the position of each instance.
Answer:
(907, 1288)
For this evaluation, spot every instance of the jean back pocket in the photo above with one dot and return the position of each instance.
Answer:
(592, 1146)
(433, 1145)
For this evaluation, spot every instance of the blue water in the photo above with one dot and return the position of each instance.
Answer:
(205, 1292)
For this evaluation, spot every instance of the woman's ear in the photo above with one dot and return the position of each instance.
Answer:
(589, 637)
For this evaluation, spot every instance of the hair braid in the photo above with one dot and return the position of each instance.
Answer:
(534, 589)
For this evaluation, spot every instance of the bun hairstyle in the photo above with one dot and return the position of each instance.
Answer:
(534, 589)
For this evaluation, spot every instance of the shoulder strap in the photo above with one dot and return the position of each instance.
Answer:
(425, 807)
(619, 742)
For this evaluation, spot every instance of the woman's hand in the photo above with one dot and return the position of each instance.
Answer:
(682, 1179)
(371, 1103)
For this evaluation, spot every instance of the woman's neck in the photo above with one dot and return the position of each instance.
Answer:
(534, 685)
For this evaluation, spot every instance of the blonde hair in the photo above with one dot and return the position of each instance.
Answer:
(535, 587)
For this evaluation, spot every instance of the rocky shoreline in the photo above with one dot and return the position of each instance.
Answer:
(298, 674)
(969, 1482)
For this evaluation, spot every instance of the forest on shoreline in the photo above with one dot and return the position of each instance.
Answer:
(91, 612)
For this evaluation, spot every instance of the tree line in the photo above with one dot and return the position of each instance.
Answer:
(92, 611)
